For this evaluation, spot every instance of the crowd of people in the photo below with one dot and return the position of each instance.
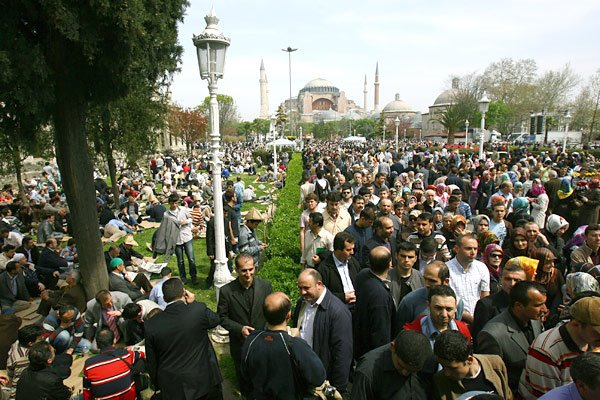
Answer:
(425, 274)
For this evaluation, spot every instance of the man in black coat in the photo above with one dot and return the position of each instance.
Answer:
(50, 264)
(13, 292)
(490, 306)
(325, 323)
(180, 358)
(339, 269)
(374, 315)
(383, 235)
(29, 249)
(240, 306)
(41, 380)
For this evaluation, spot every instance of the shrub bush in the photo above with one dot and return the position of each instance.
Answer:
(282, 265)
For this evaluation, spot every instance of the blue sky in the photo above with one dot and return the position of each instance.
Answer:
(419, 45)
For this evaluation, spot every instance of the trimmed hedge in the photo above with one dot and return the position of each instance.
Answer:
(282, 265)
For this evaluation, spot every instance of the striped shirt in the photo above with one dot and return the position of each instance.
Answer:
(548, 362)
(108, 375)
(18, 361)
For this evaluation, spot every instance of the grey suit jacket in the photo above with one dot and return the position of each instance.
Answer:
(118, 284)
(7, 298)
(415, 281)
(93, 316)
(503, 336)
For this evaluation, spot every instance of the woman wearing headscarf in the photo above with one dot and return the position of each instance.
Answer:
(473, 195)
(517, 245)
(556, 227)
(442, 195)
(588, 213)
(458, 227)
(550, 277)
(566, 202)
(492, 258)
(578, 282)
(539, 203)
(520, 206)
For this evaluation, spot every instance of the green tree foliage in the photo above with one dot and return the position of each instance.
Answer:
(584, 108)
(63, 56)
(281, 118)
(452, 120)
(228, 113)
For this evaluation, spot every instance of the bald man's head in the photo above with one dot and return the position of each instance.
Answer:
(380, 259)
(277, 308)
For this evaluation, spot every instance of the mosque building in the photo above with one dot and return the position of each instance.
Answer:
(432, 128)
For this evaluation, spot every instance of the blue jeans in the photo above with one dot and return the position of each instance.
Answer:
(64, 339)
(189, 252)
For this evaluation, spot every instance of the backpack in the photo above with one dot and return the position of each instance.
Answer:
(320, 190)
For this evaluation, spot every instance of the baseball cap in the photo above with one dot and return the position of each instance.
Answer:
(586, 311)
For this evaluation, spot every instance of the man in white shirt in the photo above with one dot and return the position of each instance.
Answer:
(315, 240)
(11, 237)
(156, 295)
(469, 278)
(325, 323)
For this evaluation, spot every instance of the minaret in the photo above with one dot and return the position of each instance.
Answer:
(376, 105)
(365, 95)
(264, 93)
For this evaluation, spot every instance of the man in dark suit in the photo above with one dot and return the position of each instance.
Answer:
(510, 333)
(30, 250)
(13, 292)
(490, 306)
(339, 269)
(181, 360)
(112, 252)
(383, 235)
(51, 264)
(325, 323)
(118, 281)
(374, 315)
(240, 306)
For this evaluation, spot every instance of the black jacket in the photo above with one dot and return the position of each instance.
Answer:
(377, 241)
(7, 298)
(180, 358)
(374, 314)
(35, 253)
(50, 261)
(331, 276)
(332, 338)
(266, 362)
(236, 316)
(486, 309)
(42, 384)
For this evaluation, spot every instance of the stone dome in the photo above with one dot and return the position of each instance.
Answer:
(447, 96)
(397, 106)
(320, 85)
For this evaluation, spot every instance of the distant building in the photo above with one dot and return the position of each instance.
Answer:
(431, 125)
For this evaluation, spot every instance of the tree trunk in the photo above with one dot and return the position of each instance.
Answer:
(110, 159)
(16, 158)
(77, 176)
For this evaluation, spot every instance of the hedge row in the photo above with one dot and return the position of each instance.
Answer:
(282, 265)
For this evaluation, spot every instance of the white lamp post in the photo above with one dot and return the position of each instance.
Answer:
(466, 135)
(397, 123)
(567, 120)
(274, 135)
(211, 46)
(290, 50)
(484, 104)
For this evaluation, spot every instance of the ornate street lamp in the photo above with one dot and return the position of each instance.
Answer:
(484, 104)
(211, 46)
